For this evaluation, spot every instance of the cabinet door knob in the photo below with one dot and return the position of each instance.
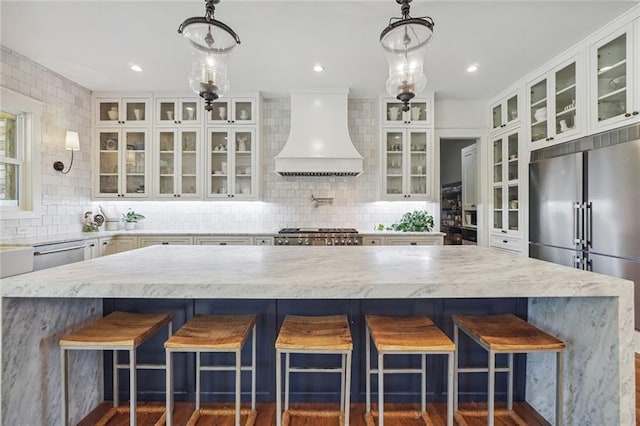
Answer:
(636, 112)
(627, 115)
(551, 138)
(503, 231)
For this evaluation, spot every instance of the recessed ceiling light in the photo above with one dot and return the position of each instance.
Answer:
(318, 68)
(136, 68)
(472, 68)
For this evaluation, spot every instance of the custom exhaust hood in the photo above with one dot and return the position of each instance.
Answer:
(319, 143)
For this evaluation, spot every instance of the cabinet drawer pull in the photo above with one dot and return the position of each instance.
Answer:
(413, 243)
(223, 244)
(505, 241)
(165, 243)
(60, 250)
(503, 231)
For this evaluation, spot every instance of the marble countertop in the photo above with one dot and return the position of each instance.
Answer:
(65, 238)
(313, 272)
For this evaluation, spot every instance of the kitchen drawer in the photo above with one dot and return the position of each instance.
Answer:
(224, 241)
(372, 241)
(414, 241)
(506, 243)
(164, 240)
(263, 241)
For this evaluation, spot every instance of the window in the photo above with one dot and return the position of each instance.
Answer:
(20, 118)
(11, 156)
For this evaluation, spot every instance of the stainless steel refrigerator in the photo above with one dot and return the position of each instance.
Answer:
(585, 212)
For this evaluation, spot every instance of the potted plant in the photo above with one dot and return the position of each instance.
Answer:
(415, 221)
(131, 218)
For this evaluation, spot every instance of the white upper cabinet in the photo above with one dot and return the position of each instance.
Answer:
(406, 171)
(419, 114)
(556, 104)
(232, 163)
(613, 72)
(177, 163)
(178, 111)
(233, 111)
(505, 215)
(505, 112)
(130, 111)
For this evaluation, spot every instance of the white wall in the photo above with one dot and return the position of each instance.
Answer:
(67, 106)
(457, 114)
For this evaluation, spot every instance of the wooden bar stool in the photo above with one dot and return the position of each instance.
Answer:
(313, 335)
(414, 335)
(506, 334)
(215, 334)
(118, 331)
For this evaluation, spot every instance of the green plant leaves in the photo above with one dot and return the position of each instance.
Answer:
(415, 221)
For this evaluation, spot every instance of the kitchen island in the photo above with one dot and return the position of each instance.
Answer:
(592, 313)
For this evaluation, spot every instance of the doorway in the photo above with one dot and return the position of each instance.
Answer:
(459, 190)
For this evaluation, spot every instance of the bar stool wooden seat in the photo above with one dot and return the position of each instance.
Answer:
(413, 335)
(313, 335)
(506, 334)
(118, 331)
(215, 334)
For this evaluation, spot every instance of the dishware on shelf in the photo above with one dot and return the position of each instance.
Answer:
(223, 167)
(563, 125)
(540, 114)
(247, 170)
(137, 114)
(419, 170)
(618, 82)
(394, 113)
(242, 143)
(190, 114)
(514, 204)
(113, 114)
(222, 113)
(415, 113)
(169, 115)
(244, 114)
(111, 144)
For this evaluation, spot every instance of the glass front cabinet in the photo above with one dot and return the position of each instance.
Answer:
(419, 113)
(505, 112)
(177, 164)
(555, 104)
(231, 163)
(236, 111)
(405, 165)
(505, 213)
(172, 111)
(132, 111)
(615, 96)
(123, 163)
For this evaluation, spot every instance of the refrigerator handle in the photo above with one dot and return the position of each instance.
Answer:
(589, 224)
(587, 266)
(577, 262)
(577, 225)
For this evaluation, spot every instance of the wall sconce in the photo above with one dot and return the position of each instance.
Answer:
(71, 143)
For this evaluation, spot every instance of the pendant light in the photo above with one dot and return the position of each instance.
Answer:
(404, 42)
(212, 41)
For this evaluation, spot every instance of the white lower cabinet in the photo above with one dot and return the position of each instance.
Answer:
(112, 245)
(372, 241)
(263, 241)
(164, 240)
(91, 250)
(224, 241)
(506, 243)
(414, 240)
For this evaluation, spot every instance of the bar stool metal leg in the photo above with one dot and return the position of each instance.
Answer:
(490, 392)
(423, 385)
(64, 364)
(132, 386)
(287, 360)
(169, 388)
(450, 394)
(342, 378)
(368, 362)
(455, 368)
(116, 380)
(559, 387)
(198, 378)
(238, 389)
(510, 384)
(253, 368)
(278, 388)
(380, 389)
(347, 390)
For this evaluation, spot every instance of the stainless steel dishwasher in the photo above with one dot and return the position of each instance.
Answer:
(50, 255)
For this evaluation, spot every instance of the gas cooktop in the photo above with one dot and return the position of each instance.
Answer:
(317, 231)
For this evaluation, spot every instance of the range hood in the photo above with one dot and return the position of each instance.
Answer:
(319, 143)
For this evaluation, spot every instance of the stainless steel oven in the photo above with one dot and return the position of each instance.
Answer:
(50, 255)
(318, 237)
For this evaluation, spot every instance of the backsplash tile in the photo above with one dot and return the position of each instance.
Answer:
(285, 201)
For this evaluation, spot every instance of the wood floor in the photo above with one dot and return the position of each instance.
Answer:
(267, 414)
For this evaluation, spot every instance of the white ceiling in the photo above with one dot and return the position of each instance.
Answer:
(93, 42)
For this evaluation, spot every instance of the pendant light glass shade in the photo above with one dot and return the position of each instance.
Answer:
(405, 42)
(212, 41)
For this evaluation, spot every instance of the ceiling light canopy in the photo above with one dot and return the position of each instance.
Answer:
(136, 68)
(212, 41)
(472, 68)
(318, 68)
(404, 41)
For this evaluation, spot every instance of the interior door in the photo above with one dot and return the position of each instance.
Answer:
(555, 185)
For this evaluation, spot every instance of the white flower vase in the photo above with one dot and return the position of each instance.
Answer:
(129, 226)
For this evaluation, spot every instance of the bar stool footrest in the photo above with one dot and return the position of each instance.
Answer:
(399, 414)
(287, 414)
(512, 415)
(217, 412)
(125, 409)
